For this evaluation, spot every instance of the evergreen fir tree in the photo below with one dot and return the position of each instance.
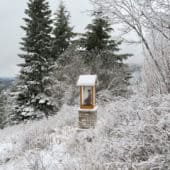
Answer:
(98, 39)
(62, 32)
(34, 77)
(101, 55)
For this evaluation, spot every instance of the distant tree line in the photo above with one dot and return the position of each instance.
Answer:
(54, 55)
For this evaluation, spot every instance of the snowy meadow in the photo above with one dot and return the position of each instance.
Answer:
(129, 134)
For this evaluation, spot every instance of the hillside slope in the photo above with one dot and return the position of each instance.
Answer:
(130, 134)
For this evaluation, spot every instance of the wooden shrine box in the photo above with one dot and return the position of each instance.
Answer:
(88, 108)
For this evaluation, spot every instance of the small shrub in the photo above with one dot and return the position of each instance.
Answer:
(36, 140)
(35, 162)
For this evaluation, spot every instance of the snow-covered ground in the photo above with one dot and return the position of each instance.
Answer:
(130, 134)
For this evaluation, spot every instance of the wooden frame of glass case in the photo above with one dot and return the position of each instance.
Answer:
(93, 97)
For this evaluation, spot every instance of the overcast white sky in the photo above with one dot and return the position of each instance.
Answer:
(11, 14)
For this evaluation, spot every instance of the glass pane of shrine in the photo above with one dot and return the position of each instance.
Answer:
(87, 96)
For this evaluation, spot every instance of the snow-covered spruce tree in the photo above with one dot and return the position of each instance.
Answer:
(62, 32)
(102, 55)
(34, 79)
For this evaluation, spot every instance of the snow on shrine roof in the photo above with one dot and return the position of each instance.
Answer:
(86, 80)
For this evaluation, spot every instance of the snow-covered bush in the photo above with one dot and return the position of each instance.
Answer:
(130, 133)
(35, 162)
(70, 66)
(36, 139)
(2, 110)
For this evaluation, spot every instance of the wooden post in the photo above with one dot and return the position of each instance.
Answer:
(81, 97)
